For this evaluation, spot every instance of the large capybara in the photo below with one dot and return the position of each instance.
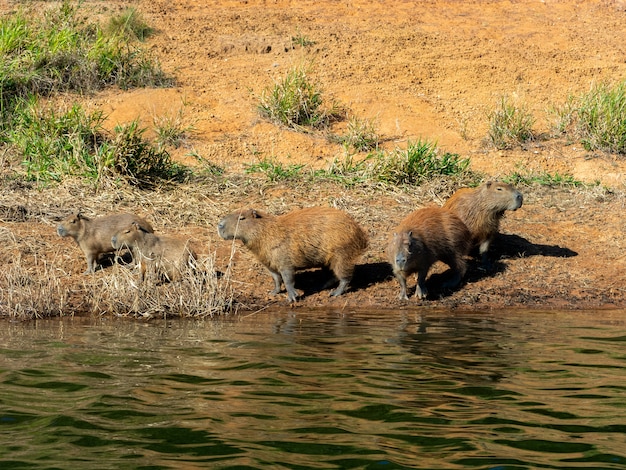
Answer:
(423, 237)
(481, 210)
(168, 256)
(305, 238)
(94, 235)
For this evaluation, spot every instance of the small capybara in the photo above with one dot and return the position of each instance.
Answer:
(165, 255)
(94, 235)
(423, 237)
(304, 238)
(481, 210)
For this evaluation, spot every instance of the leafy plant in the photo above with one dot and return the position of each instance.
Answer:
(54, 144)
(510, 125)
(302, 41)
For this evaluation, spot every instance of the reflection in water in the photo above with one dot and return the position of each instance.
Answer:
(313, 389)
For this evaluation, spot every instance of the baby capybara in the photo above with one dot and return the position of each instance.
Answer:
(305, 238)
(94, 235)
(423, 237)
(482, 208)
(165, 255)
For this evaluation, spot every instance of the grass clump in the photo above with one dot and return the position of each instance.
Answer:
(54, 144)
(274, 170)
(510, 125)
(172, 131)
(361, 135)
(61, 50)
(601, 118)
(129, 25)
(542, 179)
(417, 163)
(296, 102)
(131, 156)
(420, 161)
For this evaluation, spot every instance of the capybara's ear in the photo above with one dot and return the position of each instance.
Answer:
(488, 183)
(255, 214)
(80, 215)
(135, 226)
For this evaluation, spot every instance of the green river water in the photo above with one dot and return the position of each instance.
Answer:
(317, 390)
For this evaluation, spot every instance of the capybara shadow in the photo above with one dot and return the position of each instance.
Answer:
(313, 281)
(514, 246)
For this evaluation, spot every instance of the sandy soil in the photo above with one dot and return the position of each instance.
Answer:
(427, 69)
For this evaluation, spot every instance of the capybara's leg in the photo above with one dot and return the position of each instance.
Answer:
(402, 280)
(420, 289)
(289, 280)
(91, 263)
(343, 271)
(458, 267)
(277, 282)
(343, 285)
(484, 257)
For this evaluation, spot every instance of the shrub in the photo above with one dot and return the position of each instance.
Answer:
(132, 157)
(510, 125)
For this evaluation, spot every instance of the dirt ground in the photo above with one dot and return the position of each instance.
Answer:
(424, 69)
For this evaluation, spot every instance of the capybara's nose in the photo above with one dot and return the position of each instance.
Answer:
(114, 241)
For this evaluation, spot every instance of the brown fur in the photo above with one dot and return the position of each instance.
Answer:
(482, 208)
(305, 238)
(423, 237)
(94, 235)
(163, 254)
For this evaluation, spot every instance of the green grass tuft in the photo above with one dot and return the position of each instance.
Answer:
(296, 102)
(510, 125)
(601, 118)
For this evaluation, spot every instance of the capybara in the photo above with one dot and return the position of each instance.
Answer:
(304, 238)
(163, 254)
(481, 210)
(94, 235)
(423, 237)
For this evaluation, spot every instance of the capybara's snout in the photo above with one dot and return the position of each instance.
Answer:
(220, 228)
(61, 231)
(401, 260)
(519, 200)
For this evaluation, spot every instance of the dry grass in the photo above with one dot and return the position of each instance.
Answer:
(201, 293)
